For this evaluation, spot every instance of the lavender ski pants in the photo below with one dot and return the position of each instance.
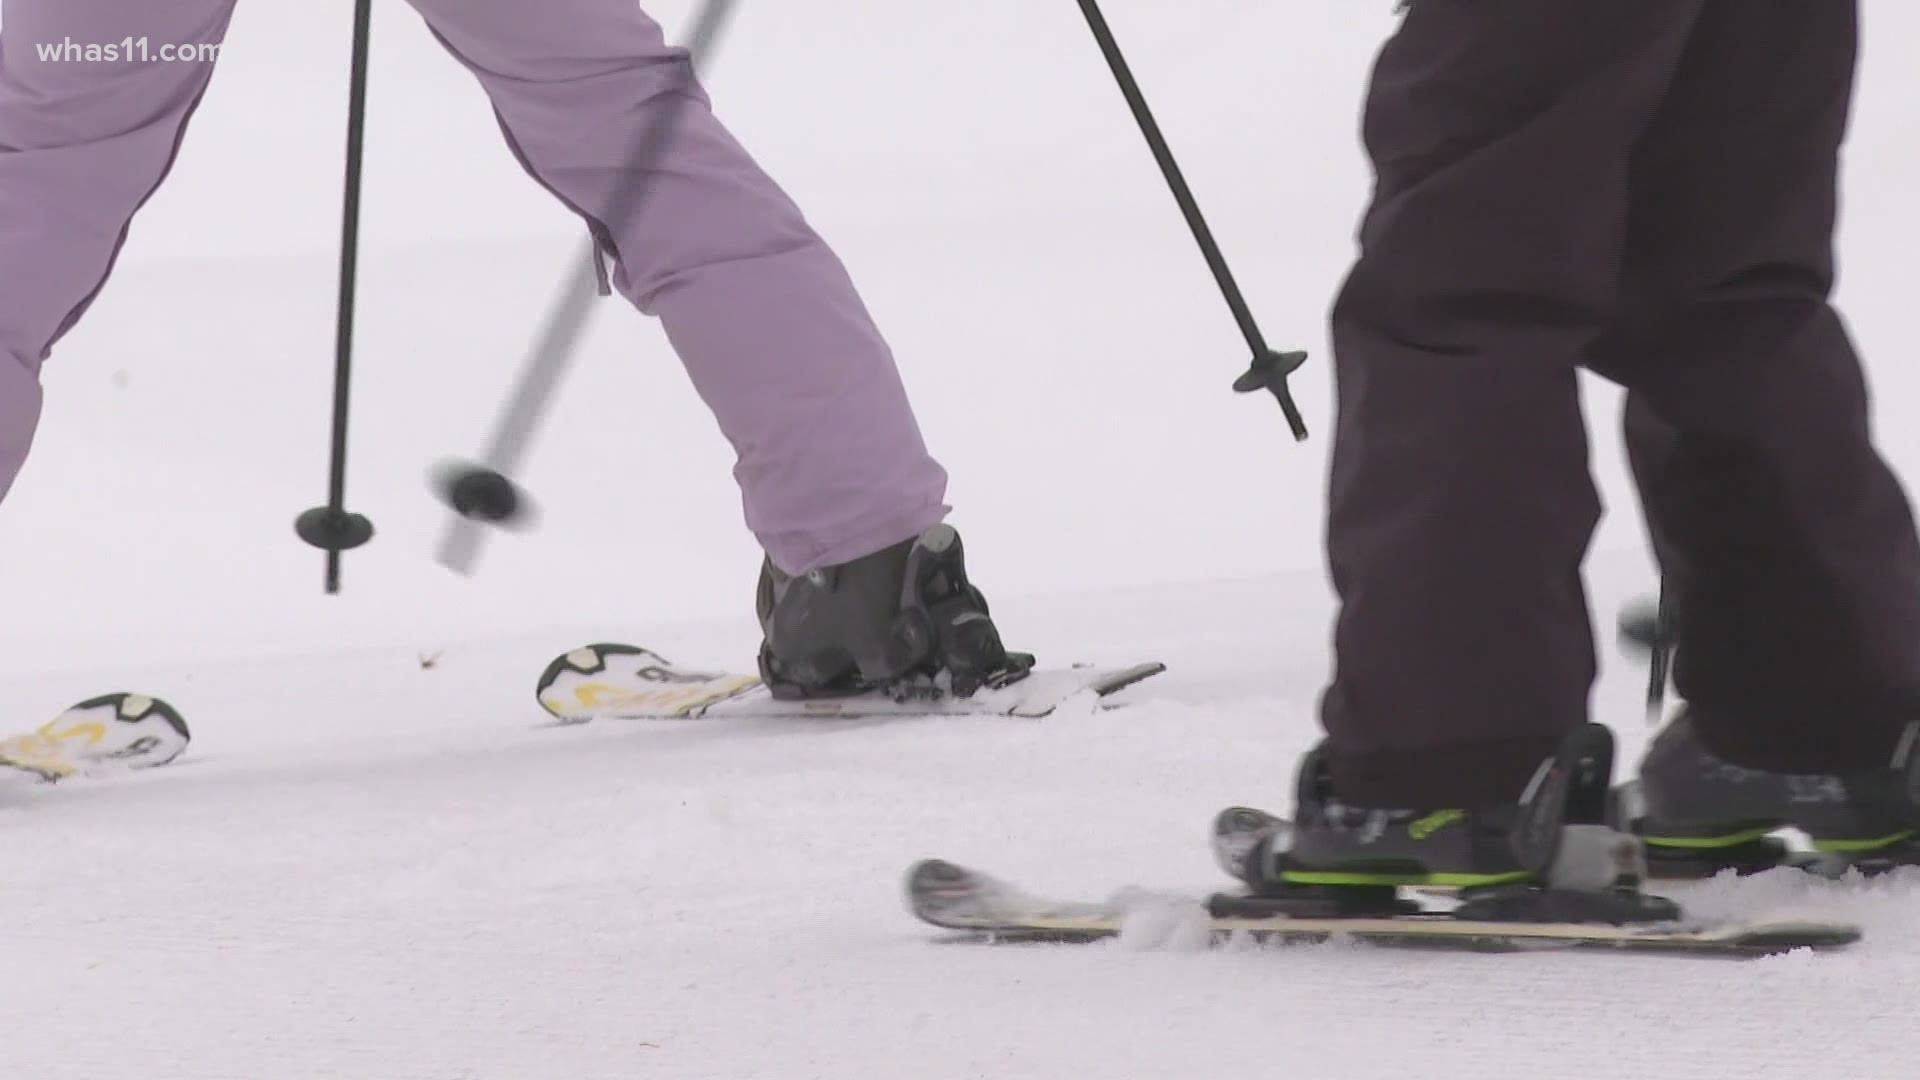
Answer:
(831, 465)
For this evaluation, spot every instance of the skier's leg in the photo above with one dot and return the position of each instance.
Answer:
(84, 140)
(1461, 504)
(1787, 546)
(776, 339)
(1785, 541)
(862, 583)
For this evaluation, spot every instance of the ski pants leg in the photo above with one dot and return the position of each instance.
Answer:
(85, 139)
(831, 461)
(1786, 545)
(777, 341)
(1519, 232)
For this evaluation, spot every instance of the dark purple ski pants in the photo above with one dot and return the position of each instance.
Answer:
(1645, 189)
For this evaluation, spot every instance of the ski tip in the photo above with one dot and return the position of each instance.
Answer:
(585, 660)
(592, 659)
(930, 875)
(935, 886)
(110, 732)
(133, 708)
(1238, 819)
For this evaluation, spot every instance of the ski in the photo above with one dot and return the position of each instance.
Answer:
(980, 908)
(111, 733)
(614, 681)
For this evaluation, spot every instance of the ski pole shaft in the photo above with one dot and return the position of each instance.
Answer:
(1270, 369)
(331, 527)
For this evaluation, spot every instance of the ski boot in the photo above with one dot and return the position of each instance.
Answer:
(1700, 815)
(1549, 857)
(904, 619)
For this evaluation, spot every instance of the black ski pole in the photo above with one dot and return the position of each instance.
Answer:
(331, 528)
(1660, 660)
(1270, 369)
(481, 493)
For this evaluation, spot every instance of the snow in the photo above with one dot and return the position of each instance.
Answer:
(372, 866)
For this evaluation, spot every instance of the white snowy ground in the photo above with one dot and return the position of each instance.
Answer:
(370, 868)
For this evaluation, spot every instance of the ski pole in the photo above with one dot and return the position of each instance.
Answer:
(1270, 369)
(331, 528)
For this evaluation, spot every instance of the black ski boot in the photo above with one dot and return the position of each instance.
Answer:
(1548, 857)
(1700, 815)
(905, 619)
